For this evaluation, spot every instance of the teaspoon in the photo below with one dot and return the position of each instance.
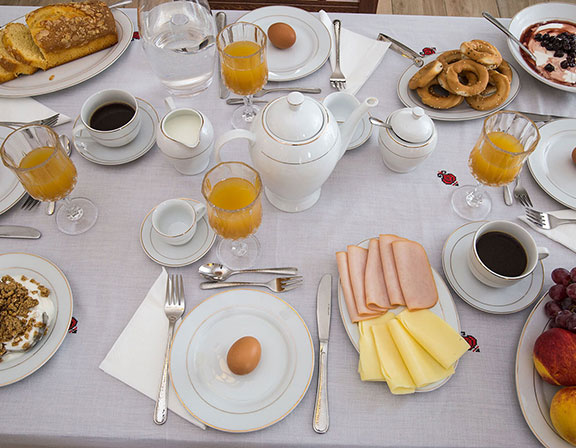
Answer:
(502, 28)
(377, 122)
(218, 272)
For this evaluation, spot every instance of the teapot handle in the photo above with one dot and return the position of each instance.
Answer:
(228, 137)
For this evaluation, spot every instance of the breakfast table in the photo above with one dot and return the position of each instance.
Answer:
(71, 402)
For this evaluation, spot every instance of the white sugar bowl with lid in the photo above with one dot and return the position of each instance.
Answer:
(408, 141)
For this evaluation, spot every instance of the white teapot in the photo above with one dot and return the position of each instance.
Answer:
(295, 143)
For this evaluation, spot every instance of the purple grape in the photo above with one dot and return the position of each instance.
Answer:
(551, 309)
(561, 318)
(566, 304)
(557, 293)
(573, 274)
(561, 276)
(570, 324)
(571, 290)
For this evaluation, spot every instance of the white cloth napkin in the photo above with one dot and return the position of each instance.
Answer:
(565, 234)
(359, 55)
(27, 109)
(137, 356)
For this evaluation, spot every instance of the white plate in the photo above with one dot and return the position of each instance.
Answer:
(531, 15)
(47, 274)
(233, 403)
(551, 162)
(475, 293)
(444, 308)
(73, 72)
(11, 190)
(307, 55)
(176, 256)
(362, 132)
(461, 112)
(104, 155)
(534, 394)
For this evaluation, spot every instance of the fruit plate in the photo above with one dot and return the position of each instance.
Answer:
(445, 308)
(534, 394)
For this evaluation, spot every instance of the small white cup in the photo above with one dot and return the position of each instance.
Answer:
(533, 254)
(115, 137)
(175, 220)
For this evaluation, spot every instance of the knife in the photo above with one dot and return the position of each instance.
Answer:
(220, 25)
(19, 232)
(321, 420)
(544, 117)
(404, 50)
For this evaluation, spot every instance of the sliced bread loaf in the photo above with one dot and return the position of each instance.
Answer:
(6, 75)
(10, 64)
(18, 41)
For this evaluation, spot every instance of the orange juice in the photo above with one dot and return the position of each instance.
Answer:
(244, 67)
(48, 174)
(237, 210)
(495, 167)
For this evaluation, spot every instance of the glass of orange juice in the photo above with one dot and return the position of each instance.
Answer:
(35, 154)
(242, 49)
(232, 192)
(507, 139)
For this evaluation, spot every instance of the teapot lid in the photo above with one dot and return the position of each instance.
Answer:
(412, 124)
(294, 118)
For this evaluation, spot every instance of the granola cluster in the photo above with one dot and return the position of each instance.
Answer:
(15, 305)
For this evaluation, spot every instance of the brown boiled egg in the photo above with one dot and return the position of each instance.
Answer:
(574, 155)
(244, 355)
(281, 35)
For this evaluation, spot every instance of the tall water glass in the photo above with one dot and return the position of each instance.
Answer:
(507, 139)
(35, 155)
(179, 40)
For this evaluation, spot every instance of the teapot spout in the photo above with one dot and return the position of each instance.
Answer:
(347, 129)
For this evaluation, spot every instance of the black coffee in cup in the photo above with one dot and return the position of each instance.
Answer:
(111, 116)
(502, 253)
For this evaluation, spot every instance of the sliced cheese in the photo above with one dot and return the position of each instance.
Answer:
(357, 257)
(436, 337)
(369, 364)
(374, 284)
(423, 368)
(414, 274)
(392, 365)
(342, 261)
(389, 269)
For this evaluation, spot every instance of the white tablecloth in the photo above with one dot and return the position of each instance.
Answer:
(70, 402)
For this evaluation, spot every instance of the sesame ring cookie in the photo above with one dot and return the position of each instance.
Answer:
(504, 69)
(431, 97)
(466, 65)
(482, 102)
(425, 75)
(466, 78)
(482, 52)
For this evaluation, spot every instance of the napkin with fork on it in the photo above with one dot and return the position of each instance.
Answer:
(359, 55)
(137, 356)
(26, 110)
(564, 234)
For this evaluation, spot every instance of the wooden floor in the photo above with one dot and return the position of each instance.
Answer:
(467, 8)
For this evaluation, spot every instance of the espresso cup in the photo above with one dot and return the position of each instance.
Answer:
(175, 220)
(117, 133)
(479, 261)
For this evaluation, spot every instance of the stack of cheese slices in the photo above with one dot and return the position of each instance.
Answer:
(414, 348)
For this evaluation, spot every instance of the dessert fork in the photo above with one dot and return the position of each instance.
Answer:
(29, 203)
(337, 79)
(280, 284)
(545, 220)
(50, 121)
(521, 194)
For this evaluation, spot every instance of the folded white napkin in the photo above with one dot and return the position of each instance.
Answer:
(565, 234)
(359, 55)
(137, 356)
(27, 109)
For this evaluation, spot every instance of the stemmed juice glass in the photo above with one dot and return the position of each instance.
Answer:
(507, 139)
(35, 155)
(232, 191)
(242, 48)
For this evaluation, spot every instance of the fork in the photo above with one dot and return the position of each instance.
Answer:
(29, 203)
(50, 121)
(174, 308)
(279, 284)
(545, 220)
(337, 78)
(521, 194)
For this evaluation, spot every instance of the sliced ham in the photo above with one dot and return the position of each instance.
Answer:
(342, 261)
(415, 275)
(357, 257)
(375, 285)
(389, 269)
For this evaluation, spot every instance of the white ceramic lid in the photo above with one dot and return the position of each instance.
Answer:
(412, 124)
(294, 118)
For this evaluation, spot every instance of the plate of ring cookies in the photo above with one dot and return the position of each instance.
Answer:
(464, 84)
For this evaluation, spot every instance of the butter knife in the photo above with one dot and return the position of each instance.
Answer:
(321, 420)
(220, 25)
(545, 117)
(19, 232)
(404, 50)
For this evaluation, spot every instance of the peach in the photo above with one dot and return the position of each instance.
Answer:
(563, 413)
(555, 357)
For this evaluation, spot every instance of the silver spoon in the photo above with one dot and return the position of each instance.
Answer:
(36, 338)
(218, 272)
(65, 142)
(377, 122)
(502, 28)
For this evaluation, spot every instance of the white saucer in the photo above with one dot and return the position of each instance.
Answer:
(362, 132)
(490, 300)
(176, 256)
(103, 155)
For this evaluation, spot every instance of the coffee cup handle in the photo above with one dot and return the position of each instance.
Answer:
(200, 210)
(79, 130)
(542, 253)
